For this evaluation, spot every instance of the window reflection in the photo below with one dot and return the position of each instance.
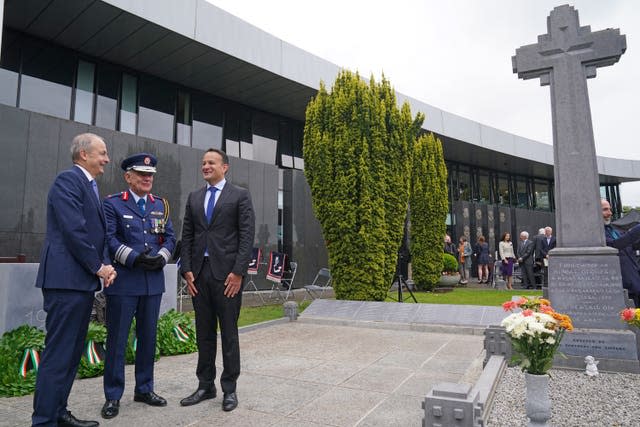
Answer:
(83, 108)
(128, 102)
(156, 110)
(207, 122)
(541, 194)
(47, 78)
(183, 119)
(108, 82)
(10, 65)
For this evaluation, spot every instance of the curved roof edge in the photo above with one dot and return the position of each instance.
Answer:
(211, 26)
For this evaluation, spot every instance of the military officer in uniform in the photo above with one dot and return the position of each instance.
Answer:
(140, 240)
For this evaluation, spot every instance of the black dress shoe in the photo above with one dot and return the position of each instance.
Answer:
(150, 399)
(110, 409)
(68, 420)
(230, 402)
(198, 396)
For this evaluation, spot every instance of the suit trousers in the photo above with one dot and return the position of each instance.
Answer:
(68, 314)
(212, 306)
(528, 278)
(120, 311)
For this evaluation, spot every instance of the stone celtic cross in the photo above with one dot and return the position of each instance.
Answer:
(564, 58)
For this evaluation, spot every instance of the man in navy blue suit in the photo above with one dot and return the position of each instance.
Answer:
(140, 240)
(623, 242)
(73, 261)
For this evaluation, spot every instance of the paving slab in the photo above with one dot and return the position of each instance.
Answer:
(298, 374)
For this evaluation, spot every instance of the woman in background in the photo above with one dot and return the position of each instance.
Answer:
(482, 254)
(464, 260)
(505, 248)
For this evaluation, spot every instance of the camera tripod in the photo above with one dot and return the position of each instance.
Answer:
(401, 282)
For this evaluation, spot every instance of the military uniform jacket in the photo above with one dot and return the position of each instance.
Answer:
(130, 233)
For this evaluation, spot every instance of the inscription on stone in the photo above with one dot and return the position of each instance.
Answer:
(583, 291)
(612, 346)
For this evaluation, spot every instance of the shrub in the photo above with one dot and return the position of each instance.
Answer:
(449, 263)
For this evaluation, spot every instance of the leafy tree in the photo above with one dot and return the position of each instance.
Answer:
(357, 151)
(429, 206)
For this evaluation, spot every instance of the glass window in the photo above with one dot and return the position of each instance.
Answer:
(483, 187)
(47, 77)
(128, 103)
(541, 193)
(265, 138)
(520, 192)
(183, 119)
(246, 150)
(297, 133)
(501, 190)
(464, 184)
(284, 149)
(157, 109)
(83, 108)
(108, 82)
(207, 122)
(9, 68)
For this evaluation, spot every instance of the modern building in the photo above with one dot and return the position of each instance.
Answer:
(177, 77)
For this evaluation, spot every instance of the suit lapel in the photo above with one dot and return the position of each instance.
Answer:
(90, 194)
(133, 206)
(199, 205)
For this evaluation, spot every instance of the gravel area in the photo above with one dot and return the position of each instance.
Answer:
(576, 399)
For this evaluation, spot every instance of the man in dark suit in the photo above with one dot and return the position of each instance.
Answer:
(544, 243)
(525, 260)
(73, 261)
(140, 240)
(217, 241)
(623, 242)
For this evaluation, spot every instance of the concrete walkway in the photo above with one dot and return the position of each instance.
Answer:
(297, 374)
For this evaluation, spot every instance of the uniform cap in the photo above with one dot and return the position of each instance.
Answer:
(142, 162)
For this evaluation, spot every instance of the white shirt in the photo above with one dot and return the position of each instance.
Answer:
(86, 172)
(219, 186)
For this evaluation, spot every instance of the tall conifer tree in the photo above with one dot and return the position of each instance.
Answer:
(429, 206)
(357, 152)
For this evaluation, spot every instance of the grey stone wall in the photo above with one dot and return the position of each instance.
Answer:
(35, 148)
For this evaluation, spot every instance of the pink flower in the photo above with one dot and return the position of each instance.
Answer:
(628, 314)
(509, 305)
(521, 301)
(527, 312)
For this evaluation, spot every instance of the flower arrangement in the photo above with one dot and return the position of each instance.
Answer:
(631, 316)
(536, 331)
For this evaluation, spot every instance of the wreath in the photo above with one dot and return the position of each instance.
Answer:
(92, 361)
(132, 344)
(176, 334)
(19, 360)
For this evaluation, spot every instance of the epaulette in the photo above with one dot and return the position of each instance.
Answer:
(124, 195)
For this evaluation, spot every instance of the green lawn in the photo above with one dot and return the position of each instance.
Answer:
(461, 296)
(251, 315)
(466, 296)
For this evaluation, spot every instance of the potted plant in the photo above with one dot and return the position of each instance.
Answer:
(536, 331)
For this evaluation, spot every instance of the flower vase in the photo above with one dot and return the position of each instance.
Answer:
(538, 404)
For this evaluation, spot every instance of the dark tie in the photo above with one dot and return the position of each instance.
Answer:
(94, 185)
(211, 203)
(141, 203)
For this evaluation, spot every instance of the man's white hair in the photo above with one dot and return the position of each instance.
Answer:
(525, 234)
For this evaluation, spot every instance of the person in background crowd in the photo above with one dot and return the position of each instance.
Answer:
(525, 260)
(544, 244)
(449, 247)
(505, 248)
(464, 260)
(482, 256)
(623, 242)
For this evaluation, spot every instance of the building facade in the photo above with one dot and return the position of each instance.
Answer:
(175, 78)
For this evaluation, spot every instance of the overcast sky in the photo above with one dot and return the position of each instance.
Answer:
(456, 55)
